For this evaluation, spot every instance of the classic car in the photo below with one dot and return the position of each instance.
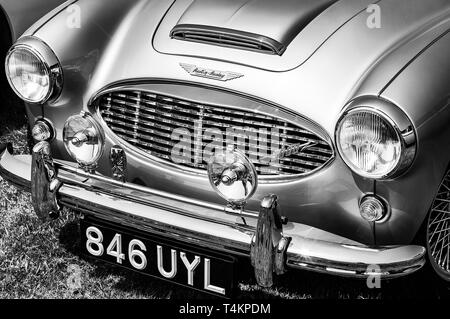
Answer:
(193, 136)
(15, 18)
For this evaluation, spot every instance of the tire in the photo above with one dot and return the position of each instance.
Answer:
(438, 231)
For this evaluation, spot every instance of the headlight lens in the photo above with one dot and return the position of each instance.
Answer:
(28, 75)
(369, 143)
(33, 70)
(83, 139)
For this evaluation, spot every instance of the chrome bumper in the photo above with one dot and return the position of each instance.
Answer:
(271, 246)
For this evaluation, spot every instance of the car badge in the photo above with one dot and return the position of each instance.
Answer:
(209, 73)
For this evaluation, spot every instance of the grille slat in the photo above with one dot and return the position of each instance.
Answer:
(298, 159)
(230, 113)
(193, 144)
(147, 121)
(263, 146)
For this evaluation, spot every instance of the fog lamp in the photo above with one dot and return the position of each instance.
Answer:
(84, 140)
(42, 131)
(372, 208)
(232, 176)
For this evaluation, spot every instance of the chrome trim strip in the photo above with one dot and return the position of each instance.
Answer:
(15, 169)
(349, 261)
(15, 180)
(113, 201)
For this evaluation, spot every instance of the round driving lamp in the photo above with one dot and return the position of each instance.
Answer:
(232, 176)
(33, 71)
(373, 144)
(83, 139)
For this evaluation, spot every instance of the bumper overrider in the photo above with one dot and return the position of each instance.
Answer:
(272, 251)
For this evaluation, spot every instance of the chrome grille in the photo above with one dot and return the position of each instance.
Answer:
(148, 121)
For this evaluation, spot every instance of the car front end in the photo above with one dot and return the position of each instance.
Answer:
(182, 149)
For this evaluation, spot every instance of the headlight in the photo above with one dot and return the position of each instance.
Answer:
(33, 71)
(372, 143)
(83, 139)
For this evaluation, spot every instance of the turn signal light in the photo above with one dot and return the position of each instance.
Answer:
(372, 208)
(42, 131)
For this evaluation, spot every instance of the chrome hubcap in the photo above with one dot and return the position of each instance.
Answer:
(438, 230)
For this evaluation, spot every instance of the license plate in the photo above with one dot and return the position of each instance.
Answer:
(208, 272)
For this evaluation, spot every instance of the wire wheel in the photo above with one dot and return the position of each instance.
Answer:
(438, 230)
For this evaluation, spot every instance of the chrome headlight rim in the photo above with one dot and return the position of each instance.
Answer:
(40, 50)
(398, 120)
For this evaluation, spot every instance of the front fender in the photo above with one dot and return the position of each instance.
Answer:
(422, 91)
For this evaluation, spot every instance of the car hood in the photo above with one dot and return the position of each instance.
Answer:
(274, 35)
(278, 22)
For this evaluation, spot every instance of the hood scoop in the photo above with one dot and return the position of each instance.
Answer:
(265, 26)
(227, 38)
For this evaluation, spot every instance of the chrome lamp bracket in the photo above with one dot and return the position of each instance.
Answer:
(44, 184)
(269, 245)
(233, 176)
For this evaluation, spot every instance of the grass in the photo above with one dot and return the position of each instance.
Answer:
(37, 260)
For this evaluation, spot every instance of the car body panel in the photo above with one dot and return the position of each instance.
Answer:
(427, 73)
(22, 14)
